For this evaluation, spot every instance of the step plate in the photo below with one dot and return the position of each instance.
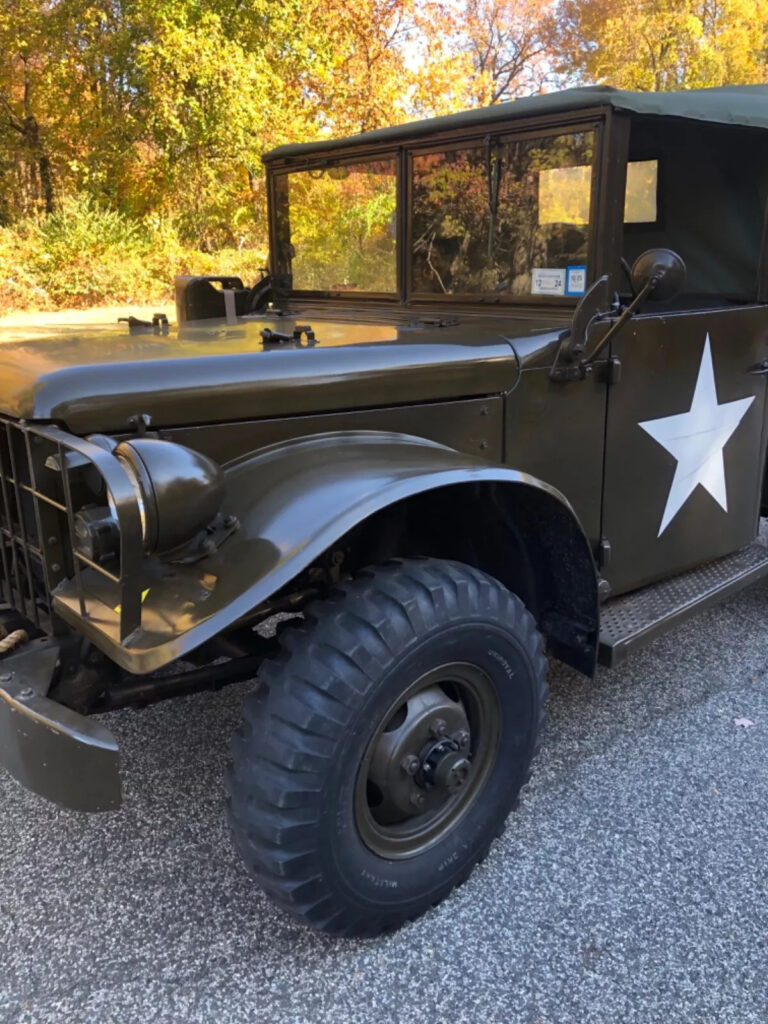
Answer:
(635, 619)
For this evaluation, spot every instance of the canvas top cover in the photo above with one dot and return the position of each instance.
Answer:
(743, 105)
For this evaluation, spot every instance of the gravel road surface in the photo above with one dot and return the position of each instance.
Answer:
(632, 884)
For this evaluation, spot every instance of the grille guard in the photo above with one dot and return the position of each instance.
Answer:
(37, 525)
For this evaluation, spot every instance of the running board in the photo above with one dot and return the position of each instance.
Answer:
(629, 621)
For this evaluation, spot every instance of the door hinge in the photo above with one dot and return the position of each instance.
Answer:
(603, 553)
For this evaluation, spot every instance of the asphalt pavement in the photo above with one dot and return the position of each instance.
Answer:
(632, 884)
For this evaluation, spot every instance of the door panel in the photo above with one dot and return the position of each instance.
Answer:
(685, 444)
(555, 432)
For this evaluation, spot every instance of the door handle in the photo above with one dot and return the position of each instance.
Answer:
(760, 370)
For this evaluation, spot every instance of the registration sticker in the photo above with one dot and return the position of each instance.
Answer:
(547, 281)
(575, 280)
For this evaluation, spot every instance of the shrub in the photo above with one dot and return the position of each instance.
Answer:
(83, 256)
(19, 288)
(86, 256)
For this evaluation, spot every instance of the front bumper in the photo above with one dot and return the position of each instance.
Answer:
(49, 748)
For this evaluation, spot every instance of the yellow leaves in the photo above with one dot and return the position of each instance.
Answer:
(663, 44)
(564, 195)
(487, 50)
(343, 228)
(641, 192)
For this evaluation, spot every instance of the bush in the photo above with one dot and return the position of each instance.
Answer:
(19, 288)
(85, 256)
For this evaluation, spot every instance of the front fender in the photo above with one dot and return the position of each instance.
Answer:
(294, 500)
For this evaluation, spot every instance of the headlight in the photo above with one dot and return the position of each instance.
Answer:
(178, 492)
(136, 485)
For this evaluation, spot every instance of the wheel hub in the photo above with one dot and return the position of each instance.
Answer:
(427, 761)
(422, 756)
(445, 767)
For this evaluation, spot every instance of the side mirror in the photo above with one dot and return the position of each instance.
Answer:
(658, 273)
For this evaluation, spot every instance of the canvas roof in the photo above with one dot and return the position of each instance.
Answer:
(744, 105)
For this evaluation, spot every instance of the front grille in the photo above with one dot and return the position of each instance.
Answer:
(21, 550)
(46, 475)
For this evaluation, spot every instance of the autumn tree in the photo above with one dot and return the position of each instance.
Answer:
(661, 44)
(161, 109)
(25, 159)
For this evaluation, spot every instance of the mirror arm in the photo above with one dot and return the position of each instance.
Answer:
(626, 315)
(595, 303)
(663, 272)
(581, 369)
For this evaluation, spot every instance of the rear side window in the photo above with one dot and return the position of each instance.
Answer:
(641, 197)
(700, 190)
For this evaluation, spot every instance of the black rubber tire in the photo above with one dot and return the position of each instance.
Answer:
(295, 757)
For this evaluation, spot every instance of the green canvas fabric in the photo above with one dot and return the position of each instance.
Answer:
(743, 105)
(712, 192)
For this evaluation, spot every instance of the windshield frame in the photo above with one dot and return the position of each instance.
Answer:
(599, 238)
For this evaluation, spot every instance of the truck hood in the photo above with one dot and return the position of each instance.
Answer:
(96, 378)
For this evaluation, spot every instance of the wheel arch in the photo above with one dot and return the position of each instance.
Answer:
(404, 496)
(375, 495)
(515, 530)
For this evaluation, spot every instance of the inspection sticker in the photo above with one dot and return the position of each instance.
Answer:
(575, 280)
(547, 281)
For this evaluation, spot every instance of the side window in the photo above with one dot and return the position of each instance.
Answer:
(641, 197)
(510, 218)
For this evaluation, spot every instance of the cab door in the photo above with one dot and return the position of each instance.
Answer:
(685, 442)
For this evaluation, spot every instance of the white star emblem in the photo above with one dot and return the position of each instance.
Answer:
(696, 439)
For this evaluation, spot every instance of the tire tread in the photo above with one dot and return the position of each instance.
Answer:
(274, 783)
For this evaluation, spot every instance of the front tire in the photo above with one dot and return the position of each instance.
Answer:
(387, 744)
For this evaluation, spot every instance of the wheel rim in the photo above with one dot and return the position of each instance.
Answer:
(428, 760)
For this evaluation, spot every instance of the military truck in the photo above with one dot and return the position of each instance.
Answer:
(501, 391)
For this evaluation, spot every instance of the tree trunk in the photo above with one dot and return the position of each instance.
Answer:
(46, 181)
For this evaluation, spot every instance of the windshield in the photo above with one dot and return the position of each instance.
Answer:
(341, 225)
(506, 218)
(503, 217)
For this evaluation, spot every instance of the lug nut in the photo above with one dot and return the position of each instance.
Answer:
(418, 799)
(410, 764)
(437, 728)
(462, 737)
